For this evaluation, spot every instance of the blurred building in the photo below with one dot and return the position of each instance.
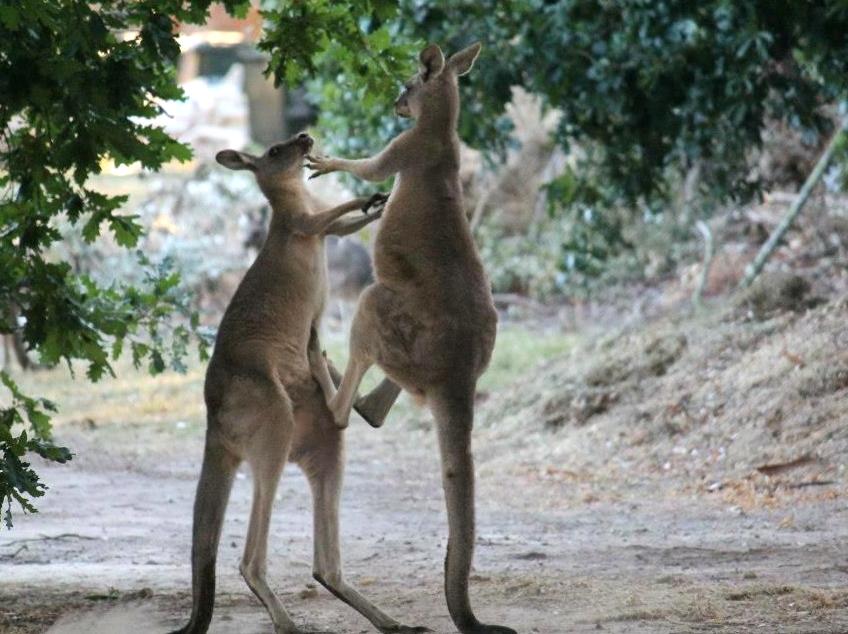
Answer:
(218, 60)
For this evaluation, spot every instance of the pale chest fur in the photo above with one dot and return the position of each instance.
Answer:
(280, 296)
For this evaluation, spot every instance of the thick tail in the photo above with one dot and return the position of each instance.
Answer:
(213, 493)
(454, 412)
(453, 409)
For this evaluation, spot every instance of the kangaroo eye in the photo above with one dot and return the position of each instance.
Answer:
(274, 151)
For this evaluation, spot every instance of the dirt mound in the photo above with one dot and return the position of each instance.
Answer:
(776, 292)
(703, 403)
(621, 364)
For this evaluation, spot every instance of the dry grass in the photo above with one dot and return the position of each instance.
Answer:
(136, 398)
(695, 405)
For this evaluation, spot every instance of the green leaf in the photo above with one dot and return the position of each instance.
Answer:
(380, 39)
(127, 231)
(10, 17)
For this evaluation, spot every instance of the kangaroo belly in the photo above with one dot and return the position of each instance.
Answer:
(420, 346)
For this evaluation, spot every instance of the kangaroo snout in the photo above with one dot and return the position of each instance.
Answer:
(402, 107)
(305, 140)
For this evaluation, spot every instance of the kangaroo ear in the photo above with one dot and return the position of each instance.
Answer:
(236, 160)
(432, 62)
(462, 62)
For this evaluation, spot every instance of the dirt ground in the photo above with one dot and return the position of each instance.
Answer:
(108, 551)
(689, 477)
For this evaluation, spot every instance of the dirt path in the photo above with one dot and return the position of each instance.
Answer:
(109, 550)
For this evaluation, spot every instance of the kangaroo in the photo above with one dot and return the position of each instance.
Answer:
(429, 321)
(263, 405)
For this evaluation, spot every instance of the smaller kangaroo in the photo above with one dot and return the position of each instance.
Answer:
(263, 405)
(428, 321)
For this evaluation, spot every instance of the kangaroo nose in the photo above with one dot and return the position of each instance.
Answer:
(305, 140)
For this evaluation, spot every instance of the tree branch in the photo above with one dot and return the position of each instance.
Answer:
(709, 252)
(766, 251)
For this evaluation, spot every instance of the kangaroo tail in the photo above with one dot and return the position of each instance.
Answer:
(453, 409)
(213, 493)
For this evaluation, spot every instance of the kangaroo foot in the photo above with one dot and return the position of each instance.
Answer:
(482, 628)
(302, 631)
(375, 406)
(405, 629)
(370, 410)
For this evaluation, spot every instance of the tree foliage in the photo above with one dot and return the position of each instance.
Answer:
(79, 83)
(645, 90)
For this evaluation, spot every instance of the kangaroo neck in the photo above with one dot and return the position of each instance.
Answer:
(439, 121)
(286, 198)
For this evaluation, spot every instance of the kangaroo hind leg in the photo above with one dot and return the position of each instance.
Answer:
(266, 454)
(324, 471)
(373, 407)
(362, 341)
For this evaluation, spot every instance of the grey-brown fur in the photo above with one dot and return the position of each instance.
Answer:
(428, 321)
(263, 405)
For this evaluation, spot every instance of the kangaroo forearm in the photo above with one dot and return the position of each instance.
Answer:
(337, 212)
(318, 223)
(379, 167)
(370, 169)
(346, 226)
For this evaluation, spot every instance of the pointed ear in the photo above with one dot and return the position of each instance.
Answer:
(236, 160)
(432, 62)
(462, 62)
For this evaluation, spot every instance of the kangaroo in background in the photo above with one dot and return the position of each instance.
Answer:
(263, 405)
(429, 321)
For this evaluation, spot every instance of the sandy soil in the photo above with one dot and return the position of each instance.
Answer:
(109, 550)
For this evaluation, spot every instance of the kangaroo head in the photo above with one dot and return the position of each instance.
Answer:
(281, 162)
(434, 89)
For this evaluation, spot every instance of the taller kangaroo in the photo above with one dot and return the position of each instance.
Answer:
(429, 321)
(263, 404)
